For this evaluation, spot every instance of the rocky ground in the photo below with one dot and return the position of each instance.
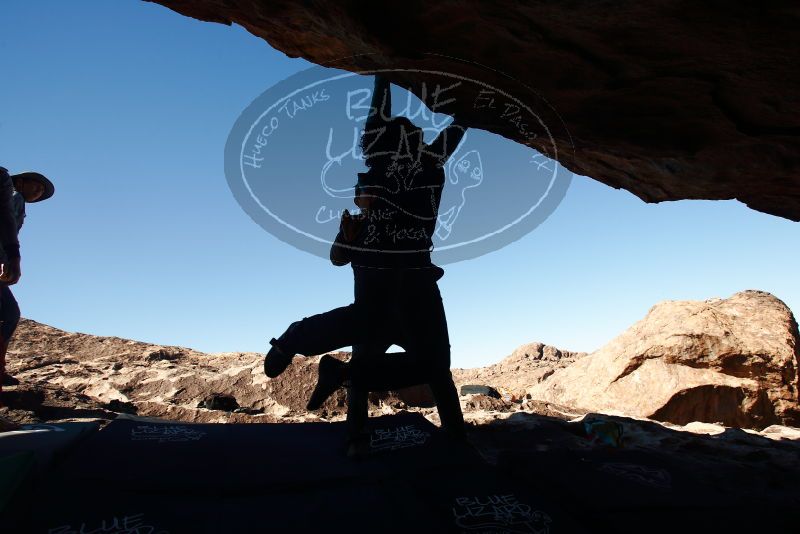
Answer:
(739, 353)
(729, 361)
(65, 375)
(746, 344)
(528, 415)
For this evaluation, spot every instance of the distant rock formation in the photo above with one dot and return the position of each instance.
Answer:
(668, 100)
(733, 361)
(513, 376)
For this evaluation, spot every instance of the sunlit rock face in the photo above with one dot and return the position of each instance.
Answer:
(668, 99)
(733, 361)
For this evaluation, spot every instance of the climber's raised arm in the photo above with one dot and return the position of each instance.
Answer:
(446, 142)
(380, 109)
(381, 105)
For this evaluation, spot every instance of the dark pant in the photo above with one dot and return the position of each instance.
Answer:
(9, 313)
(392, 306)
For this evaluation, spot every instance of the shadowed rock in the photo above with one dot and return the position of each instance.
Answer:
(669, 100)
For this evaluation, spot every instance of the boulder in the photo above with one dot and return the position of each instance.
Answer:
(119, 406)
(155, 354)
(512, 376)
(472, 389)
(732, 361)
(419, 396)
(219, 401)
(484, 403)
(6, 425)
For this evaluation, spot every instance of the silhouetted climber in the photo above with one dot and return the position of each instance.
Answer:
(15, 191)
(397, 300)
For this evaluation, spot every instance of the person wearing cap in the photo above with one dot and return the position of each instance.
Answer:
(15, 191)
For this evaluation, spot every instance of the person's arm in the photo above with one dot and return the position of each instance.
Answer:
(8, 231)
(380, 111)
(381, 103)
(349, 228)
(446, 142)
(339, 255)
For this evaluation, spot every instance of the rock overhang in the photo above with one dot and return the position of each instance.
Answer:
(669, 100)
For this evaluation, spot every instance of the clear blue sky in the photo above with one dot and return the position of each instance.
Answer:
(127, 106)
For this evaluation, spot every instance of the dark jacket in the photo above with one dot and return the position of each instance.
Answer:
(10, 217)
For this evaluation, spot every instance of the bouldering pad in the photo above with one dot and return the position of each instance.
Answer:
(229, 458)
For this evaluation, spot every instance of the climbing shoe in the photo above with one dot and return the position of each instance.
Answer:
(277, 360)
(331, 378)
(9, 380)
